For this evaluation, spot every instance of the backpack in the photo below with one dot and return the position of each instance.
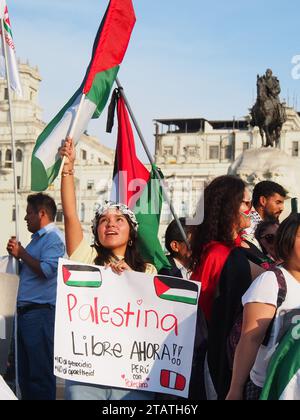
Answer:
(235, 333)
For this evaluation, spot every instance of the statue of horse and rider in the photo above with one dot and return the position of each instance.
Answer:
(268, 113)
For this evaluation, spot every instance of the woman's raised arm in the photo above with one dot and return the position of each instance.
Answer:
(73, 229)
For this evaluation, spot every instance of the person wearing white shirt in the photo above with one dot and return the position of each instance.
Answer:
(260, 309)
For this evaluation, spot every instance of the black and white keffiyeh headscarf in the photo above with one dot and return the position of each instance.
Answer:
(110, 205)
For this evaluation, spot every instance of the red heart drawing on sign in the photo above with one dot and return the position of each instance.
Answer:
(123, 376)
(139, 302)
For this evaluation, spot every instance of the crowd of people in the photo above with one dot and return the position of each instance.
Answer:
(248, 264)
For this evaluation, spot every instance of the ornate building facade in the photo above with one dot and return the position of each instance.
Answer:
(190, 152)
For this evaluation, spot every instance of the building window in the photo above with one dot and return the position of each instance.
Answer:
(5, 93)
(245, 146)
(228, 152)
(59, 213)
(90, 185)
(0, 157)
(19, 155)
(213, 152)
(8, 160)
(191, 151)
(82, 212)
(168, 151)
(295, 148)
(83, 154)
(13, 217)
(18, 182)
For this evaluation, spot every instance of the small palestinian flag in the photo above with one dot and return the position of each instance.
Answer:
(81, 275)
(172, 380)
(175, 289)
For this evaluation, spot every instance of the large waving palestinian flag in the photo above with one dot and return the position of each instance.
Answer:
(109, 49)
(139, 189)
(283, 375)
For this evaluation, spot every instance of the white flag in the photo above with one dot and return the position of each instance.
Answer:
(15, 83)
(2, 8)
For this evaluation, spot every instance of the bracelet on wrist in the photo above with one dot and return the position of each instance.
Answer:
(68, 172)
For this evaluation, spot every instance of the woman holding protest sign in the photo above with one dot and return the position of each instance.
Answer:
(115, 246)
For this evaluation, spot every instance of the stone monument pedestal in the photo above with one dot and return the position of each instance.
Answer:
(269, 164)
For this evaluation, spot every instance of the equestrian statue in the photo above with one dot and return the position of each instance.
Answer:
(268, 113)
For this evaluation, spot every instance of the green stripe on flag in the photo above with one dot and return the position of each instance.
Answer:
(83, 283)
(7, 28)
(176, 298)
(283, 366)
(42, 177)
(147, 211)
(101, 87)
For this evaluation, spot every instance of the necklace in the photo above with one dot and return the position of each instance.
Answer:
(116, 259)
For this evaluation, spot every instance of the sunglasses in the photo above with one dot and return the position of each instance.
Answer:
(270, 237)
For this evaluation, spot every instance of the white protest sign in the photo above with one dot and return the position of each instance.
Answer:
(2, 328)
(8, 295)
(5, 392)
(131, 331)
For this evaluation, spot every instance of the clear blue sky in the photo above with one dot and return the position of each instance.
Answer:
(186, 58)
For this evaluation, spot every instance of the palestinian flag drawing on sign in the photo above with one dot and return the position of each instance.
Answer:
(81, 275)
(172, 380)
(178, 290)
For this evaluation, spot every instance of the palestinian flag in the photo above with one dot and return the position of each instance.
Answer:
(14, 78)
(109, 49)
(172, 380)
(177, 290)
(139, 189)
(81, 275)
(283, 375)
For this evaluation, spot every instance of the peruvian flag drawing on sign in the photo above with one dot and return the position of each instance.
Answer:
(172, 380)
(176, 289)
(81, 275)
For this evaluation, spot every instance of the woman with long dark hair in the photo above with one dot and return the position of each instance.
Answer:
(115, 245)
(222, 268)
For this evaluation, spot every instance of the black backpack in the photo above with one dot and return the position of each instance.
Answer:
(235, 333)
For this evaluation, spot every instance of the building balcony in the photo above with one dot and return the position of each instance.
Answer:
(6, 168)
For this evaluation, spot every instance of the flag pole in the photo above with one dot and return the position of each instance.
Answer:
(11, 121)
(147, 151)
(72, 130)
(17, 229)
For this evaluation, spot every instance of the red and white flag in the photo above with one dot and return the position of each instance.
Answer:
(14, 77)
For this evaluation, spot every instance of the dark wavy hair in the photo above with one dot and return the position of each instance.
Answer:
(286, 237)
(222, 200)
(132, 256)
